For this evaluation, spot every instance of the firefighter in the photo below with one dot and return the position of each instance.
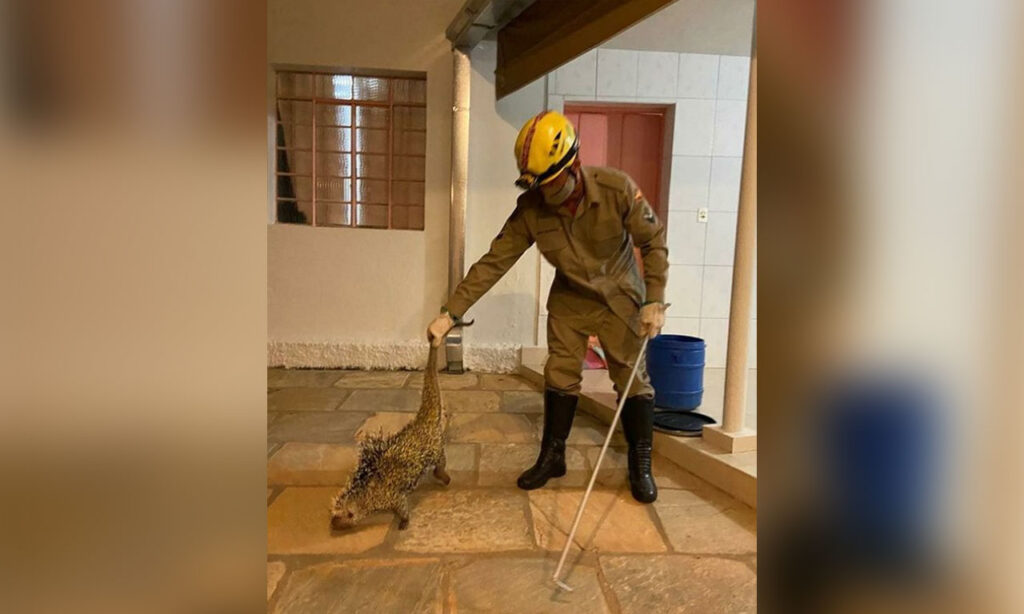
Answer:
(585, 221)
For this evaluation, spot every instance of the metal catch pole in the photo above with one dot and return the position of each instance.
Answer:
(597, 467)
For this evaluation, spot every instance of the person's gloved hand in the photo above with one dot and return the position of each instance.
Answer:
(439, 328)
(652, 318)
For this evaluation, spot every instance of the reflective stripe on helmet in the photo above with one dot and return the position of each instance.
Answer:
(524, 155)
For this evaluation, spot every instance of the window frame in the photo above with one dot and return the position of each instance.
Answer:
(354, 181)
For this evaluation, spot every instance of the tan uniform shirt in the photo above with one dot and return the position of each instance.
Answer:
(592, 251)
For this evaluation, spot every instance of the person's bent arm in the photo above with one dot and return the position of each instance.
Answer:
(648, 234)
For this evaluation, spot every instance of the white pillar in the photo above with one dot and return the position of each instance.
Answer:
(460, 182)
(732, 436)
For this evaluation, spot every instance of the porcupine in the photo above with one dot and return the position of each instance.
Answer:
(391, 466)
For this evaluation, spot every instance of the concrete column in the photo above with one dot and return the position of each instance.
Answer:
(732, 436)
(460, 180)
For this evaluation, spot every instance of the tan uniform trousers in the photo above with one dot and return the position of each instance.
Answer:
(567, 348)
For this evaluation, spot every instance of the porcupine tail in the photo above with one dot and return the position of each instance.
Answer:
(431, 403)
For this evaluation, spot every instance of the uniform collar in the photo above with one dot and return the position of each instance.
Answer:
(590, 190)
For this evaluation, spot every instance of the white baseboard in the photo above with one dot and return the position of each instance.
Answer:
(386, 356)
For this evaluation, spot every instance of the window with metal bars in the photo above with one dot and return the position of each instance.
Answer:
(351, 150)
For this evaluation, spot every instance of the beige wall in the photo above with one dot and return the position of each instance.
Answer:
(508, 313)
(341, 285)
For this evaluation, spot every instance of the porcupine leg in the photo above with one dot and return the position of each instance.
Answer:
(439, 470)
(402, 511)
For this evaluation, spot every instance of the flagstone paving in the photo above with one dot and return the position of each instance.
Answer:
(480, 544)
(306, 378)
(382, 399)
(478, 520)
(461, 463)
(705, 525)
(305, 399)
(522, 588)
(504, 382)
(448, 381)
(372, 379)
(522, 402)
(317, 427)
(612, 521)
(492, 428)
(384, 423)
(614, 467)
(587, 431)
(670, 475)
(311, 464)
(275, 570)
(643, 584)
(365, 586)
(298, 522)
(472, 401)
(501, 464)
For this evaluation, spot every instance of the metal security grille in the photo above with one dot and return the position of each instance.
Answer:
(351, 150)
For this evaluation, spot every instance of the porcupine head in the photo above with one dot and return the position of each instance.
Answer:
(364, 494)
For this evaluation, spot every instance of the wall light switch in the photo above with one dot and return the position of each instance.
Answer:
(702, 215)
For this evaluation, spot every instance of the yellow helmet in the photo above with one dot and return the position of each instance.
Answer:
(546, 144)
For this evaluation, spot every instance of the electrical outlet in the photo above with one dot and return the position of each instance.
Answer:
(702, 215)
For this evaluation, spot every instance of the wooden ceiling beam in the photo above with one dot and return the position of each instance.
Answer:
(550, 33)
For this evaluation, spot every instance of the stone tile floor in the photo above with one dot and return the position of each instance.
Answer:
(481, 544)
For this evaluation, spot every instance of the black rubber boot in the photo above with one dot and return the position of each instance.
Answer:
(638, 425)
(559, 410)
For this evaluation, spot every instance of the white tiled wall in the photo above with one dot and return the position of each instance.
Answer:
(709, 93)
(716, 292)
(578, 77)
(694, 127)
(730, 120)
(724, 191)
(684, 290)
(658, 72)
(688, 190)
(697, 76)
(617, 72)
(721, 238)
(733, 77)
(686, 238)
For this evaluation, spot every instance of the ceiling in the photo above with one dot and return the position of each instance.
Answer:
(693, 26)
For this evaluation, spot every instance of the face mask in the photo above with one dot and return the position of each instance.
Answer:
(563, 193)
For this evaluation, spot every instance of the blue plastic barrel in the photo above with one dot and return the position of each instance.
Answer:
(676, 366)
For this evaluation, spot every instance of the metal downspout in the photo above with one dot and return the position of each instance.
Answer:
(460, 178)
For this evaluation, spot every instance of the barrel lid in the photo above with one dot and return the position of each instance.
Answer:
(683, 423)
